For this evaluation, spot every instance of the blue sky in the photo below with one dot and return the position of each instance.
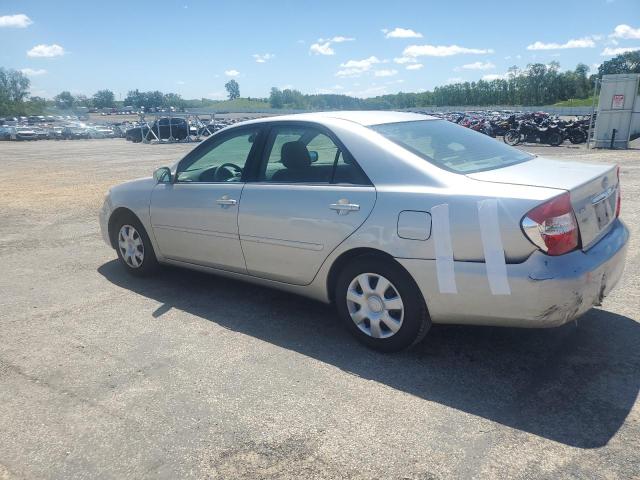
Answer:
(354, 47)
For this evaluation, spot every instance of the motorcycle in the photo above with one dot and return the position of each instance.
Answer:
(532, 132)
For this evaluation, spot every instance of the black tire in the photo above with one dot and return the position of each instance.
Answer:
(512, 137)
(149, 263)
(577, 136)
(415, 320)
(554, 139)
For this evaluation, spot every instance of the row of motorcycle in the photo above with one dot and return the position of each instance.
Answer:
(539, 127)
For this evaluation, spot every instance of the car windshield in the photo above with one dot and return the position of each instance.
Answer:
(451, 146)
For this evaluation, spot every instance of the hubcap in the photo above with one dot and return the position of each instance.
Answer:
(375, 305)
(131, 246)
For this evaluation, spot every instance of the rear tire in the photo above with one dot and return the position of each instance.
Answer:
(133, 246)
(577, 136)
(512, 137)
(554, 139)
(380, 304)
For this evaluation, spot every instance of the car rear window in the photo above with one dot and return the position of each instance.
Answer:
(452, 147)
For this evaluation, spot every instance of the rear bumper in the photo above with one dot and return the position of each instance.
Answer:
(545, 291)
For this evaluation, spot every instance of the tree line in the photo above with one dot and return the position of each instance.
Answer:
(537, 84)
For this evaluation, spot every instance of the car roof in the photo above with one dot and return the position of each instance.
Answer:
(361, 117)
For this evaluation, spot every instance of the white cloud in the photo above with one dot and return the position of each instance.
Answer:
(231, 73)
(385, 73)
(495, 76)
(626, 31)
(16, 21)
(263, 58)
(323, 45)
(455, 80)
(617, 51)
(441, 51)
(401, 33)
(180, 82)
(340, 39)
(478, 66)
(415, 66)
(586, 42)
(48, 51)
(322, 49)
(403, 60)
(354, 68)
(30, 72)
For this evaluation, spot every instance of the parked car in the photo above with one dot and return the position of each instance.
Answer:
(41, 133)
(55, 133)
(162, 129)
(101, 132)
(75, 133)
(24, 133)
(5, 132)
(401, 220)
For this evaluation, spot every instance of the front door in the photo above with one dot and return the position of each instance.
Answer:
(195, 218)
(309, 196)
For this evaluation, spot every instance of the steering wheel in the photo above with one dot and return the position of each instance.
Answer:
(227, 171)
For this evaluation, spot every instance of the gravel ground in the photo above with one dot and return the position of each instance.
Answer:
(192, 376)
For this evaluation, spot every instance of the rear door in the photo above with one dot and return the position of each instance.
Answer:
(307, 197)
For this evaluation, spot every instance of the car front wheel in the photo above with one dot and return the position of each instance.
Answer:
(380, 304)
(134, 248)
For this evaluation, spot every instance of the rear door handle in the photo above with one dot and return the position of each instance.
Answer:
(226, 201)
(344, 207)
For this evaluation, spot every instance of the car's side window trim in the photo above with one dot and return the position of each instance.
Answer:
(263, 158)
(216, 140)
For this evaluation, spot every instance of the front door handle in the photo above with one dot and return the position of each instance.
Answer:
(226, 201)
(343, 207)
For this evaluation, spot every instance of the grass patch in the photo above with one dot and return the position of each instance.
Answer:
(239, 104)
(576, 102)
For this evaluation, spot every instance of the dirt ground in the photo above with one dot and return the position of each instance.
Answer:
(187, 375)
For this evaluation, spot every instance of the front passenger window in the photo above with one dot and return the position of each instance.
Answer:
(221, 161)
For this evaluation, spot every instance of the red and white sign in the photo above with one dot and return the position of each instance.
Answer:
(618, 101)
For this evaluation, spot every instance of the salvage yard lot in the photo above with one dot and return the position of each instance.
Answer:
(192, 376)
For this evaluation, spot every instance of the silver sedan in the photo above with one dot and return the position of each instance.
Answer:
(401, 220)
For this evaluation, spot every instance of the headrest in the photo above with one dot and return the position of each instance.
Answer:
(294, 155)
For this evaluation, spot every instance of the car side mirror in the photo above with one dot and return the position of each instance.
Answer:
(314, 156)
(162, 175)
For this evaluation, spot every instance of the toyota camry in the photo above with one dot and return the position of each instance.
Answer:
(401, 220)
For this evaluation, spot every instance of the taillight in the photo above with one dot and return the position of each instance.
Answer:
(618, 195)
(552, 226)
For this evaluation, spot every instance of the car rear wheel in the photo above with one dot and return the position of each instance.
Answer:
(134, 248)
(380, 304)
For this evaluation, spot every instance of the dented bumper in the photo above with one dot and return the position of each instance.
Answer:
(545, 291)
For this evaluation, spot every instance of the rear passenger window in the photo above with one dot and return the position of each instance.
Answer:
(300, 154)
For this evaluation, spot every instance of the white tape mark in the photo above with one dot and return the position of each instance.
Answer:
(492, 245)
(443, 249)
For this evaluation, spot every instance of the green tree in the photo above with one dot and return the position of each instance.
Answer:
(103, 99)
(625, 63)
(64, 100)
(275, 99)
(233, 89)
(14, 89)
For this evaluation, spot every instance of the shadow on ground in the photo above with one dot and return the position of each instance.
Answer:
(573, 384)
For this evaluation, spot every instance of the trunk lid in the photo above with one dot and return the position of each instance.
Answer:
(592, 188)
